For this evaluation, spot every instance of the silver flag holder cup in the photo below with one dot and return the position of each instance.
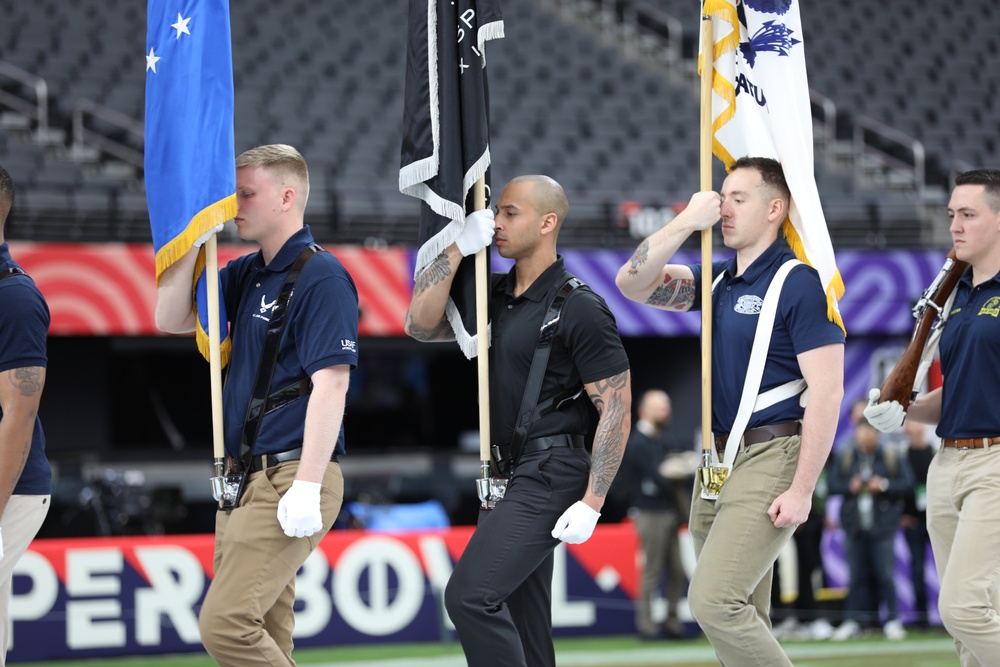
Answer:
(491, 489)
(712, 477)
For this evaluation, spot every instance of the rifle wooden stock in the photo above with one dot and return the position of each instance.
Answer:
(899, 385)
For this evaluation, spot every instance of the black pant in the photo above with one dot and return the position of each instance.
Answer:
(499, 595)
(917, 539)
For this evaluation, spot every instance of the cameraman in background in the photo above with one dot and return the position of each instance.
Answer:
(874, 480)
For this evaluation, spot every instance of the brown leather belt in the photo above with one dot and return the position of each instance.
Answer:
(970, 443)
(753, 436)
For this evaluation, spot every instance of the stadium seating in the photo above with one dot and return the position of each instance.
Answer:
(328, 78)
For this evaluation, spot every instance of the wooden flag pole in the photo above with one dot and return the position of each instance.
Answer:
(705, 157)
(215, 352)
(482, 337)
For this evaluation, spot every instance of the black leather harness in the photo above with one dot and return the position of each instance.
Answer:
(530, 410)
(262, 401)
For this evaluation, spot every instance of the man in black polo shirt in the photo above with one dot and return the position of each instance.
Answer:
(963, 482)
(499, 595)
(25, 476)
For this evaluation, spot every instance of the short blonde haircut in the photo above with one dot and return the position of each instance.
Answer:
(283, 162)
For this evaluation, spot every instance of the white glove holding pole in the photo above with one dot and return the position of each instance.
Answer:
(298, 510)
(200, 241)
(576, 524)
(887, 416)
(477, 232)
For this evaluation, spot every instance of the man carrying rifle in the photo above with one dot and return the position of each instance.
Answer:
(963, 483)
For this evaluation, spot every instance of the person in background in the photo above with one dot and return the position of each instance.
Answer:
(919, 453)
(654, 512)
(873, 479)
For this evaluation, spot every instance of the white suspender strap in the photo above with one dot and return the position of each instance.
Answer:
(758, 357)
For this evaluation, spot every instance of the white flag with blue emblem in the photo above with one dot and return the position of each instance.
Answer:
(760, 108)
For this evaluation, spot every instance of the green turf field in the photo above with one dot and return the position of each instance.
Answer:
(928, 649)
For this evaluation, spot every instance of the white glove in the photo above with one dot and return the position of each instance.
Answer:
(200, 241)
(298, 510)
(477, 232)
(576, 524)
(886, 417)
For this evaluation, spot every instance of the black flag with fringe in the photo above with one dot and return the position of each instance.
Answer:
(446, 133)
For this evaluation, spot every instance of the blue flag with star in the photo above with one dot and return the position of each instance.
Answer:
(189, 154)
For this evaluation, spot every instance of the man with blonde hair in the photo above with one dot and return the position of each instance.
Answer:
(283, 435)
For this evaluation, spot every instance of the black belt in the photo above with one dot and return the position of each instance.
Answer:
(265, 461)
(541, 444)
(752, 436)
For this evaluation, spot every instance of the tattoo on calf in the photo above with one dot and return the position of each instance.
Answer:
(673, 293)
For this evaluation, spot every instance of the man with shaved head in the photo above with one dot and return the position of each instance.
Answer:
(499, 595)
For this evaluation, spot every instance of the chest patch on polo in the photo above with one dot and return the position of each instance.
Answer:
(991, 307)
(749, 304)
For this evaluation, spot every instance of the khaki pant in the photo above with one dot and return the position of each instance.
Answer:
(20, 523)
(246, 618)
(736, 545)
(963, 520)
(661, 563)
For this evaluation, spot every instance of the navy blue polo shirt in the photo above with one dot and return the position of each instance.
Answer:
(587, 348)
(800, 325)
(970, 359)
(321, 331)
(24, 326)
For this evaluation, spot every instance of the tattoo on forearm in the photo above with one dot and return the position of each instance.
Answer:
(28, 381)
(436, 271)
(609, 442)
(672, 293)
(639, 258)
(442, 331)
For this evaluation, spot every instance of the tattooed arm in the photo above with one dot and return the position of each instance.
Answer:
(425, 318)
(613, 399)
(20, 392)
(648, 279)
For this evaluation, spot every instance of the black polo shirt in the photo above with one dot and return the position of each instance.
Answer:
(587, 348)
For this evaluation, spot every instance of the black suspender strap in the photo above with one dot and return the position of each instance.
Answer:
(261, 401)
(529, 410)
(12, 271)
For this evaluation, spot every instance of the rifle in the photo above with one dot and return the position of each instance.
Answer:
(928, 311)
